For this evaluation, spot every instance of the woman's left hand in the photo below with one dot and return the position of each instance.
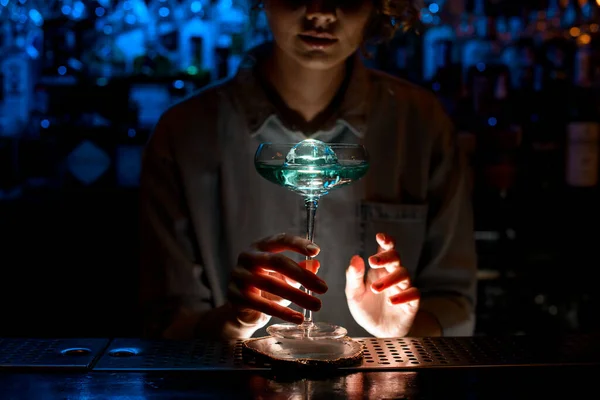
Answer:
(386, 305)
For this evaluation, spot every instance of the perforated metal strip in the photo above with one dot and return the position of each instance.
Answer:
(477, 351)
(50, 353)
(142, 355)
(402, 353)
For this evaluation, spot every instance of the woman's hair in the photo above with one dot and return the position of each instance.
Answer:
(389, 17)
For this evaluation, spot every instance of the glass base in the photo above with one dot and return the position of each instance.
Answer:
(307, 330)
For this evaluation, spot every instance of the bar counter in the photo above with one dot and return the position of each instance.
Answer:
(564, 367)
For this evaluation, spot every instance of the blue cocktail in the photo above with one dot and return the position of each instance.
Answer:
(312, 169)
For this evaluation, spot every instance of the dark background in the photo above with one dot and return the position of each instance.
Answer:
(69, 165)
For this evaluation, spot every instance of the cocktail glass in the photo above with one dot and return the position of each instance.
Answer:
(312, 169)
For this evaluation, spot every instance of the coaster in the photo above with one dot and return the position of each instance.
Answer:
(322, 353)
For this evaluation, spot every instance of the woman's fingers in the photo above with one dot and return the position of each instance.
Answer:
(255, 261)
(399, 277)
(355, 273)
(275, 286)
(266, 281)
(385, 242)
(409, 297)
(252, 300)
(284, 242)
(310, 265)
(388, 259)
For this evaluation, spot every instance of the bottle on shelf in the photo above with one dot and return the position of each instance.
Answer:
(17, 74)
(583, 127)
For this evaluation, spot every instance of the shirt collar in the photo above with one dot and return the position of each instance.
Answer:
(258, 109)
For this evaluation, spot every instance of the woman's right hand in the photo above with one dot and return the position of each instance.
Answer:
(266, 282)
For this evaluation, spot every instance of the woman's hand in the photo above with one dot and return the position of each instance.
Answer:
(386, 305)
(265, 282)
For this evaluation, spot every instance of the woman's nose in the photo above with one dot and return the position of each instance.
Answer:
(321, 12)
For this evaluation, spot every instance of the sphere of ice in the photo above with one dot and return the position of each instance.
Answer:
(311, 152)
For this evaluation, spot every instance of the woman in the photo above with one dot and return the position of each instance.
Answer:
(205, 208)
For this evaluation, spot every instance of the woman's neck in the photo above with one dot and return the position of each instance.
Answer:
(306, 91)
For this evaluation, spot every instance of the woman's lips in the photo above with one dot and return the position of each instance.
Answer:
(318, 41)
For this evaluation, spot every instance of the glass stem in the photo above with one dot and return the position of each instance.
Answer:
(311, 209)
